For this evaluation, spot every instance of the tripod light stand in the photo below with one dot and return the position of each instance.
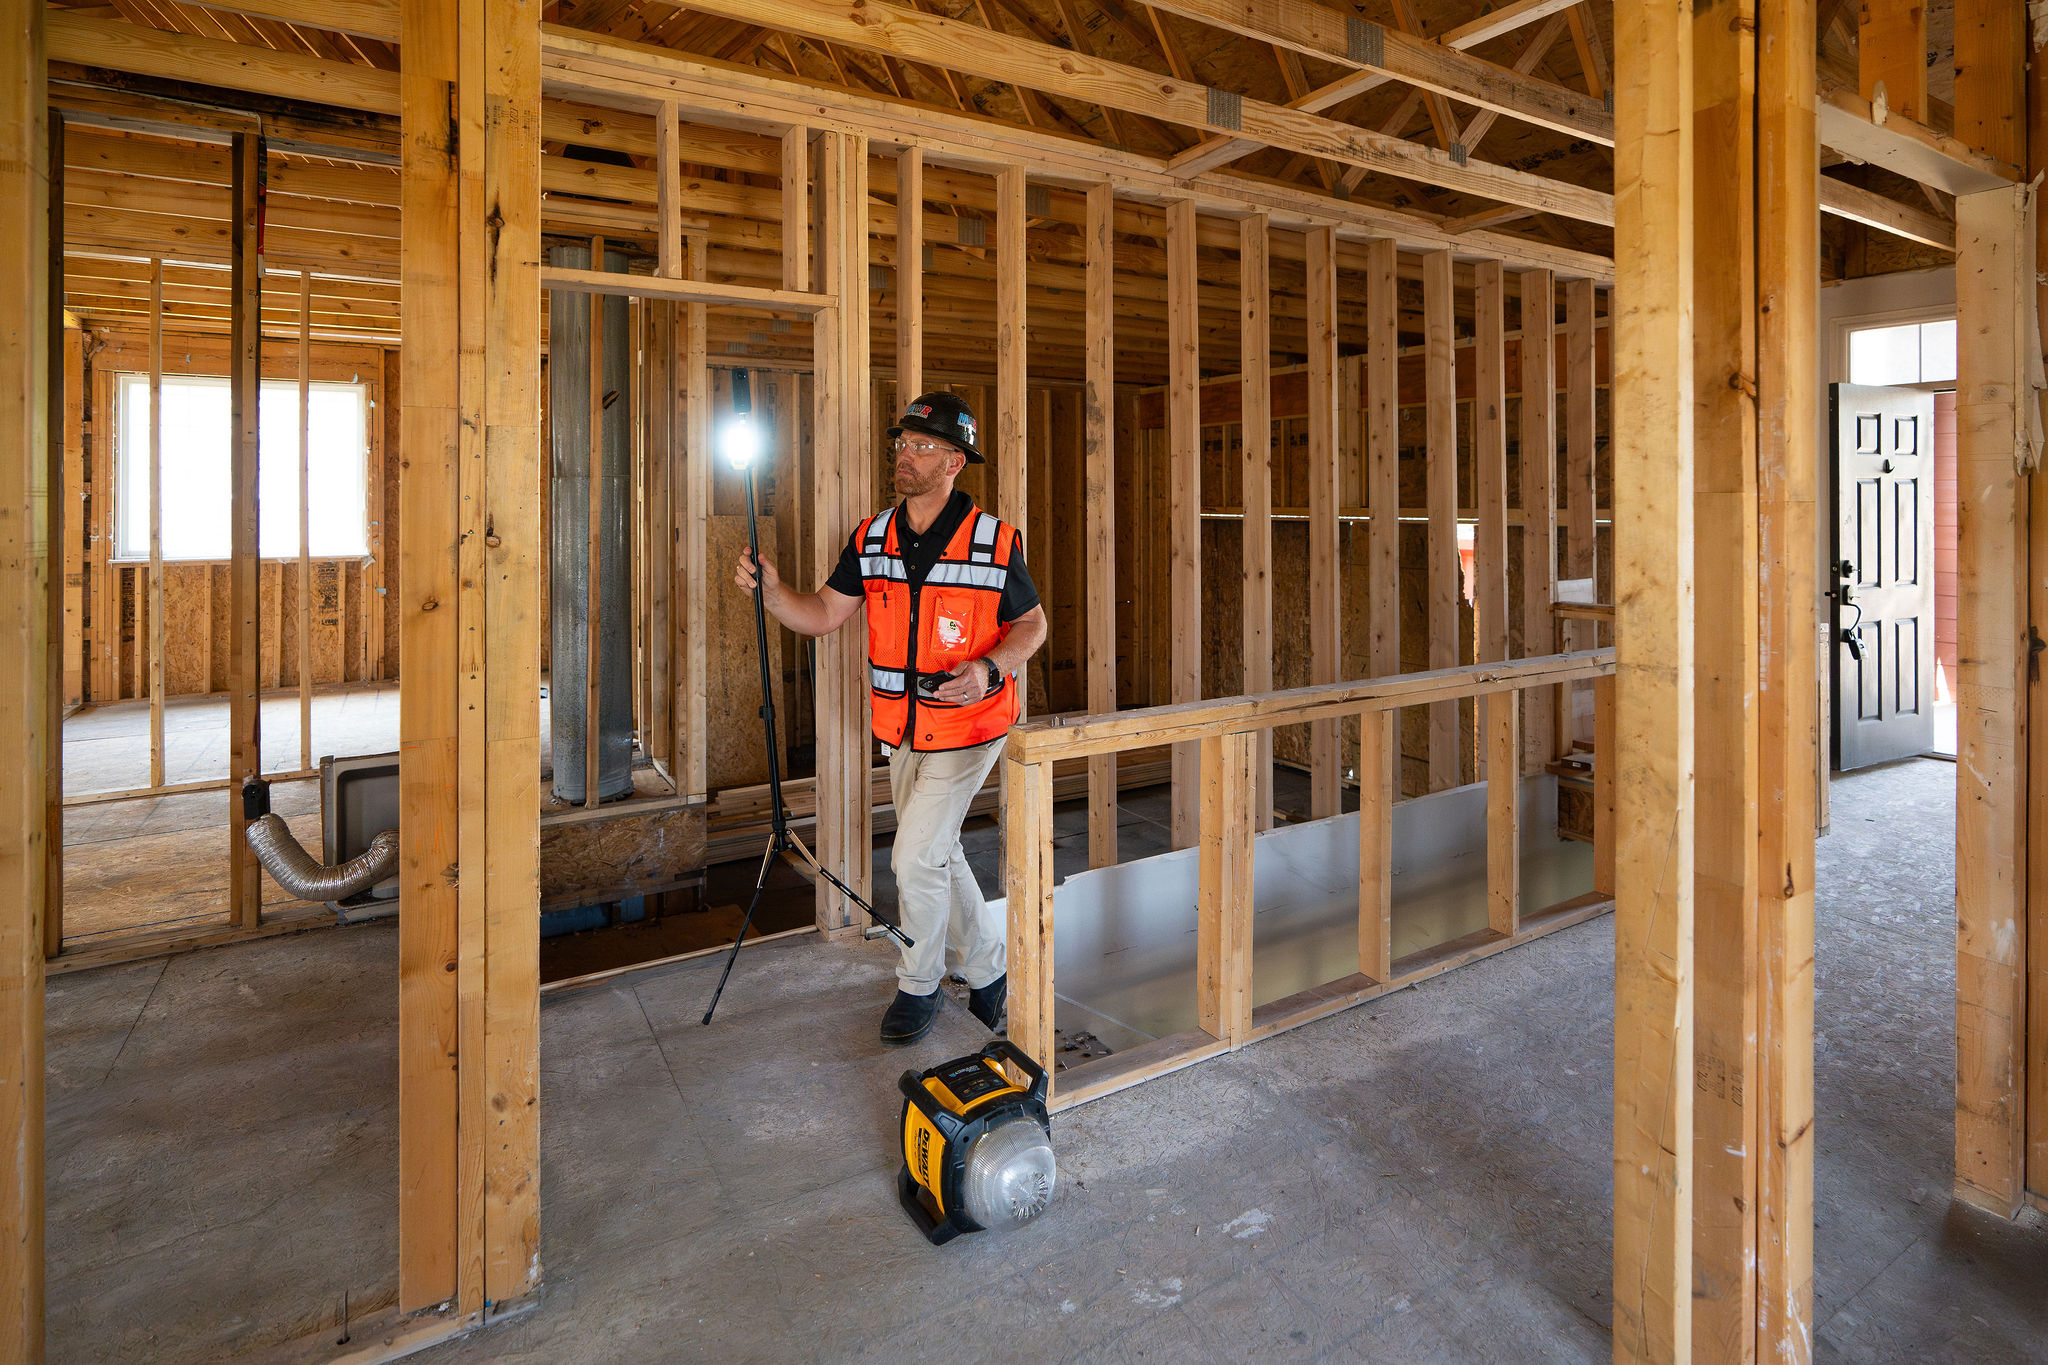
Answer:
(740, 441)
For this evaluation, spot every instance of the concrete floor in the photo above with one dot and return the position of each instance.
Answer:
(1424, 1178)
(106, 748)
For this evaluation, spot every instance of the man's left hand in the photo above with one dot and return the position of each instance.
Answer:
(969, 684)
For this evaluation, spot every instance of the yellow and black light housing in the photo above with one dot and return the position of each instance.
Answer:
(977, 1148)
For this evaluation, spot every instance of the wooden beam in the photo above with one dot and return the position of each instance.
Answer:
(1223, 914)
(696, 292)
(1255, 294)
(469, 614)
(1653, 463)
(1490, 459)
(1325, 593)
(1994, 279)
(1028, 879)
(912, 34)
(1098, 443)
(690, 496)
(668, 237)
(1067, 737)
(305, 622)
(1788, 305)
(796, 210)
(1013, 487)
(1858, 205)
(1184, 476)
(1500, 720)
(843, 472)
(28, 744)
(245, 598)
(910, 274)
(156, 525)
(1341, 37)
(1990, 89)
(1534, 49)
(1538, 447)
(1383, 467)
(608, 69)
(1850, 125)
(1217, 151)
(1379, 787)
(1724, 500)
(364, 18)
(133, 48)
(1891, 58)
(1581, 390)
(2037, 706)
(65, 519)
(1441, 437)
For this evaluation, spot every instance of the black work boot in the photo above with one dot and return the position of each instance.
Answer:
(986, 1002)
(910, 1017)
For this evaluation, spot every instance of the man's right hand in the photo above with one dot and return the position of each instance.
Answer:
(744, 574)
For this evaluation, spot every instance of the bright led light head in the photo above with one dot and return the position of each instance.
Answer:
(739, 440)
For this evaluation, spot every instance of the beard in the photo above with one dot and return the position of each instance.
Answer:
(911, 485)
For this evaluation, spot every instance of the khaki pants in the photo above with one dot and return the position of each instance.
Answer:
(938, 901)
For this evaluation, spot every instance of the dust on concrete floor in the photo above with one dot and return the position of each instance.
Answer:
(1422, 1178)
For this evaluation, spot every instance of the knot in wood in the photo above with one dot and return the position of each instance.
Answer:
(429, 604)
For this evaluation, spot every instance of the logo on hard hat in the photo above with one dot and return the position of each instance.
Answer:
(919, 410)
(967, 426)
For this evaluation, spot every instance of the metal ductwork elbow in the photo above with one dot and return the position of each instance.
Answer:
(294, 869)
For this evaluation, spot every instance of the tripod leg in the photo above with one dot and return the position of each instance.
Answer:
(760, 884)
(894, 930)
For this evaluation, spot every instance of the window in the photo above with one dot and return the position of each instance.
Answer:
(1911, 353)
(195, 468)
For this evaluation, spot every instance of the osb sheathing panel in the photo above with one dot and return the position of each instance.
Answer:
(590, 860)
(735, 754)
(196, 661)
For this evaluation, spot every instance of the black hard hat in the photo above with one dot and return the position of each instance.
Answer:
(946, 417)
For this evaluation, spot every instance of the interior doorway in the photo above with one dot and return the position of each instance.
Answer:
(1891, 572)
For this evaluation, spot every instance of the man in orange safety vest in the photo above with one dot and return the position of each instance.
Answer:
(952, 616)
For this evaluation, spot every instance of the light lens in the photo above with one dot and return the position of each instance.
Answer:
(740, 441)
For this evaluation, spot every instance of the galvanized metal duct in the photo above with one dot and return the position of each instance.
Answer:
(294, 869)
(569, 428)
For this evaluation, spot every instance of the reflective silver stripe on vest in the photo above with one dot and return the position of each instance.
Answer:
(971, 575)
(885, 679)
(985, 527)
(878, 533)
(882, 566)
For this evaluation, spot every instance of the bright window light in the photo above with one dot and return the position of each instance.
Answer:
(1938, 352)
(1909, 353)
(195, 468)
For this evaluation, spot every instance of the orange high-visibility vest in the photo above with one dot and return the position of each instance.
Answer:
(950, 619)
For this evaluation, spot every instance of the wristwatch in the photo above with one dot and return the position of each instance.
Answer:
(995, 675)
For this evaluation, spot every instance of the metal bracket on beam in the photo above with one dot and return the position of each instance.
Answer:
(1038, 201)
(971, 231)
(1457, 152)
(1226, 110)
(1364, 42)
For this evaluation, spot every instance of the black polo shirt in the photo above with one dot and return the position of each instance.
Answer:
(921, 551)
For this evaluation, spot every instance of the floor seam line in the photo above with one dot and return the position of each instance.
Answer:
(163, 970)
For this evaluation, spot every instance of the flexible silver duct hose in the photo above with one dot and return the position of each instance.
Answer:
(294, 869)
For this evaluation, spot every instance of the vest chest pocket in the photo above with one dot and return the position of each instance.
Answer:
(951, 628)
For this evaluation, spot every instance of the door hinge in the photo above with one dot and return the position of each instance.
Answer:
(2035, 644)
